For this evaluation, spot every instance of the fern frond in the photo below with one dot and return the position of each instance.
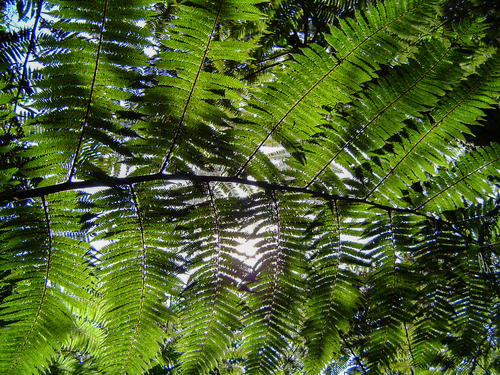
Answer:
(472, 305)
(136, 275)
(211, 314)
(333, 286)
(384, 113)
(43, 268)
(355, 60)
(87, 75)
(16, 51)
(467, 176)
(398, 102)
(377, 231)
(434, 259)
(88, 334)
(184, 107)
(443, 127)
(272, 312)
(455, 301)
(390, 291)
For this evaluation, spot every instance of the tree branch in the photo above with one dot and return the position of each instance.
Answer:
(10, 197)
(117, 181)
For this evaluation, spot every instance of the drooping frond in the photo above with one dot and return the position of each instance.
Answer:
(272, 306)
(137, 271)
(333, 288)
(389, 295)
(453, 267)
(43, 264)
(210, 316)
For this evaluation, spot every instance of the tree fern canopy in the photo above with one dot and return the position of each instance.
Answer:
(145, 145)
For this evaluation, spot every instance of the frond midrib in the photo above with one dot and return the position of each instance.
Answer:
(316, 84)
(135, 329)
(190, 95)
(91, 92)
(44, 292)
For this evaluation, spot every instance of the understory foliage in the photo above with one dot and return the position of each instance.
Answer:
(142, 143)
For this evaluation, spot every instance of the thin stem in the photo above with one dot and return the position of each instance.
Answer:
(31, 47)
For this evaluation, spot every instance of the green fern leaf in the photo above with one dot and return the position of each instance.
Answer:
(43, 266)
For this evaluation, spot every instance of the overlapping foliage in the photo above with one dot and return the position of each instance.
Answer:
(142, 144)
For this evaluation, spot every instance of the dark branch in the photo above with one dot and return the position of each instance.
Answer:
(10, 197)
(115, 181)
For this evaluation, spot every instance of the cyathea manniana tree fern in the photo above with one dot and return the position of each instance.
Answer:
(136, 158)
